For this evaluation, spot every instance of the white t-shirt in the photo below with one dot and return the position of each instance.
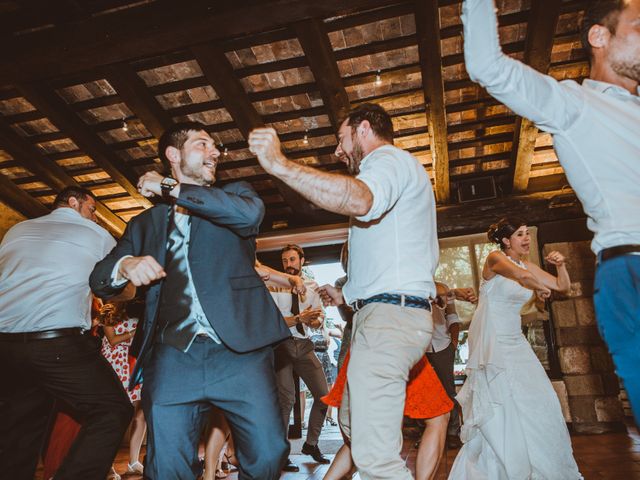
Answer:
(45, 265)
(394, 247)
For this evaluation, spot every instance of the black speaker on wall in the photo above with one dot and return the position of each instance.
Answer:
(482, 188)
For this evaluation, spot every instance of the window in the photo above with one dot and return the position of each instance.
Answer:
(461, 262)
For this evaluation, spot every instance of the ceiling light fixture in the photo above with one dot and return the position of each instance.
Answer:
(305, 139)
(378, 78)
(125, 127)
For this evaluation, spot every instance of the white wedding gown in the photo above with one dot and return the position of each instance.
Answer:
(513, 425)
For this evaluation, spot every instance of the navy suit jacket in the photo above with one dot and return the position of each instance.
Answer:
(222, 245)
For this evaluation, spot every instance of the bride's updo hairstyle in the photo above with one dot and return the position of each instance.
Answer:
(504, 229)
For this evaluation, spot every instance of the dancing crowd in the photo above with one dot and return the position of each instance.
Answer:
(217, 337)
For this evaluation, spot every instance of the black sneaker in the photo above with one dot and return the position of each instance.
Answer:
(289, 466)
(315, 452)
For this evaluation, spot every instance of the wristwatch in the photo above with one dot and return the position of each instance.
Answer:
(166, 186)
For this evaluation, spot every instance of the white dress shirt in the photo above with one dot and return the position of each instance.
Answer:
(283, 300)
(442, 321)
(595, 127)
(45, 265)
(394, 247)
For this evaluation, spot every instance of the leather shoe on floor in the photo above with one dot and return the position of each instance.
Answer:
(289, 466)
(315, 452)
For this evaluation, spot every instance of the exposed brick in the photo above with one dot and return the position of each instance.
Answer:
(601, 361)
(574, 360)
(564, 313)
(583, 409)
(610, 383)
(585, 313)
(578, 336)
(580, 385)
(609, 409)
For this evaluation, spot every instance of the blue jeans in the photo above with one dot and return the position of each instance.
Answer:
(617, 304)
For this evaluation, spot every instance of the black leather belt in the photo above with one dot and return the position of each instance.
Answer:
(43, 335)
(394, 299)
(612, 252)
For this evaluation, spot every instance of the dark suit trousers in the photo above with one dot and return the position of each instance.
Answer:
(179, 391)
(70, 370)
(297, 355)
(442, 362)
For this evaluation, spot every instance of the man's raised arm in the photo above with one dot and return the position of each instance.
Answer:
(529, 93)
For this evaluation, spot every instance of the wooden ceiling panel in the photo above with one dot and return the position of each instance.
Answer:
(301, 124)
(277, 79)
(86, 91)
(297, 71)
(288, 104)
(187, 97)
(170, 73)
(16, 105)
(265, 53)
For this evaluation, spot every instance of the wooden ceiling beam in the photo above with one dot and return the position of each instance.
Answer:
(219, 72)
(50, 172)
(56, 110)
(135, 94)
(428, 34)
(20, 200)
(539, 43)
(137, 28)
(315, 43)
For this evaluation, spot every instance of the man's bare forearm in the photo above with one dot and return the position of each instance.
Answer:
(331, 191)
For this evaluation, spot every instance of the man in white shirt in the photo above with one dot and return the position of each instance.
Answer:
(393, 252)
(301, 313)
(596, 134)
(46, 351)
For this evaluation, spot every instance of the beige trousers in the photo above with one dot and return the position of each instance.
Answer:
(387, 341)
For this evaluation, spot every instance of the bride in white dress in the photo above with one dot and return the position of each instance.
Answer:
(513, 425)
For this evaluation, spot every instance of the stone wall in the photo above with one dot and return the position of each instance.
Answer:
(587, 369)
(8, 218)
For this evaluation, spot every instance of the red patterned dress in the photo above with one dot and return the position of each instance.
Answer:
(118, 356)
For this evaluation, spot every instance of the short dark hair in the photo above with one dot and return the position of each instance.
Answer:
(62, 199)
(176, 136)
(377, 117)
(295, 248)
(504, 229)
(600, 12)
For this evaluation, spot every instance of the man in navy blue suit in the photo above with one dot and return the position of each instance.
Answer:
(210, 322)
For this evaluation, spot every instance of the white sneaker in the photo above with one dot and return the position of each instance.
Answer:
(136, 467)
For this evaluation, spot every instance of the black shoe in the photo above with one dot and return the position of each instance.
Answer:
(315, 453)
(289, 466)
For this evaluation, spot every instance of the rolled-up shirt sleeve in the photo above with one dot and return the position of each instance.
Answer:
(551, 105)
(386, 177)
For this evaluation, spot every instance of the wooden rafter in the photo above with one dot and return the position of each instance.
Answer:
(428, 33)
(50, 172)
(314, 40)
(216, 67)
(20, 200)
(134, 93)
(137, 28)
(58, 112)
(539, 42)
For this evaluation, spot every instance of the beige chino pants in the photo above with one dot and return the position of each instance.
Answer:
(386, 343)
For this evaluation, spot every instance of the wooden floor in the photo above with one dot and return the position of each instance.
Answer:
(600, 457)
